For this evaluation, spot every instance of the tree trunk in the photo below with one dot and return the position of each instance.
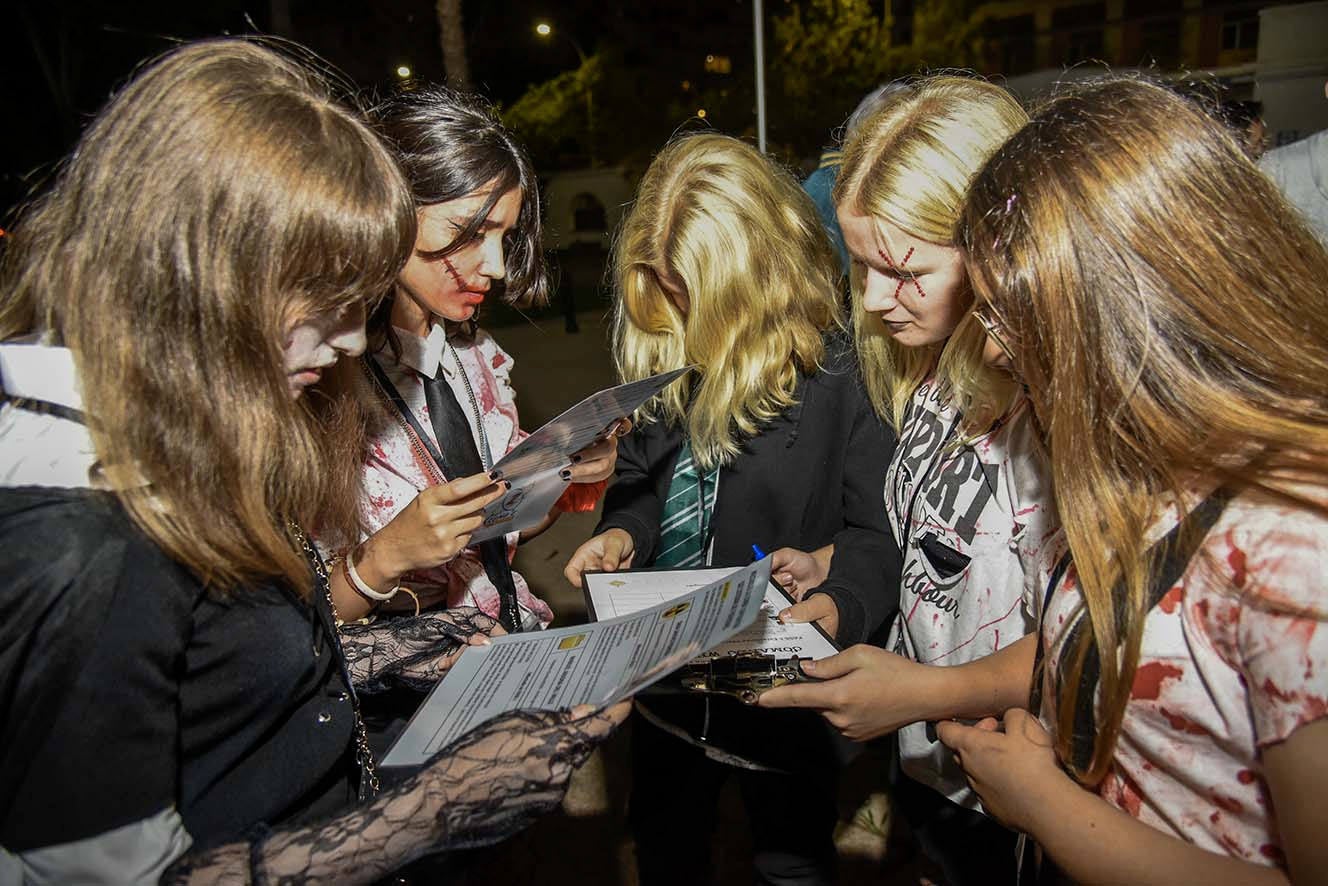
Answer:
(452, 35)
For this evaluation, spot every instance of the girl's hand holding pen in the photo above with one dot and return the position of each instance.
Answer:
(797, 572)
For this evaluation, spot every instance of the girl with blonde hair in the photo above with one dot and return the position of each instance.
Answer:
(723, 263)
(1176, 354)
(964, 493)
(171, 680)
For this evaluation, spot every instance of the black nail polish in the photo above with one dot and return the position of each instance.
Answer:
(566, 475)
(495, 474)
(576, 459)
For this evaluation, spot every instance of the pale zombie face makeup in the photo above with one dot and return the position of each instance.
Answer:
(315, 343)
(915, 286)
(454, 286)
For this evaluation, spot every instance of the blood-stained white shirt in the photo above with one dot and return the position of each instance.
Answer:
(1234, 658)
(393, 476)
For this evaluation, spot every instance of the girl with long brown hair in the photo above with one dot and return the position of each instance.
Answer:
(171, 681)
(1173, 351)
(1166, 309)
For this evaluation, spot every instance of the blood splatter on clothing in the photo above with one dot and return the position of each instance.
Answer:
(1234, 658)
(393, 477)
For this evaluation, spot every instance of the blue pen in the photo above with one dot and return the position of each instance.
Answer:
(760, 554)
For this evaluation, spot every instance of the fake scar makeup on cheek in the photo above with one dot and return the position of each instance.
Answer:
(454, 274)
(900, 269)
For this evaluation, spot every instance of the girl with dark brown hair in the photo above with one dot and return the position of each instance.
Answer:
(171, 681)
(445, 409)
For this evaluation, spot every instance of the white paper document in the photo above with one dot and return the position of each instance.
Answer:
(533, 467)
(596, 664)
(615, 594)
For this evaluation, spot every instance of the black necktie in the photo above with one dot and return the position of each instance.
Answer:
(456, 444)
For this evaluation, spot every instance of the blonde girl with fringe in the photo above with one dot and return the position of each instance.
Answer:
(1176, 354)
(722, 263)
(964, 493)
(175, 705)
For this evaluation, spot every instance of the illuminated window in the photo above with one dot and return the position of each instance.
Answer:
(718, 64)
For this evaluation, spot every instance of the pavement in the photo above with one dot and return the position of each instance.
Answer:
(587, 843)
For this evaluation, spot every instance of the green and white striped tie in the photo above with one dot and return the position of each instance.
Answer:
(687, 513)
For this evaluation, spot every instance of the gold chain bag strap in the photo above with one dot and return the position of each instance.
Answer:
(368, 787)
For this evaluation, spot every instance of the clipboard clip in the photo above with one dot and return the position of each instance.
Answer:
(742, 676)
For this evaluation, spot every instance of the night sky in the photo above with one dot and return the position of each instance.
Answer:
(66, 57)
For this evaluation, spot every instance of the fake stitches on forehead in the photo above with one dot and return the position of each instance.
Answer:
(900, 269)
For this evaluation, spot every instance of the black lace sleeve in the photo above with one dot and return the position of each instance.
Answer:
(414, 651)
(482, 788)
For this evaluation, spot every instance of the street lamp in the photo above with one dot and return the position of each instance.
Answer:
(544, 29)
(758, 29)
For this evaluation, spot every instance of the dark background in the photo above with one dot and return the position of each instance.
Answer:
(651, 66)
(64, 58)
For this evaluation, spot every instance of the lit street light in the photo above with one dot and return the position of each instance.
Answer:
(403, 72)
(544, 29)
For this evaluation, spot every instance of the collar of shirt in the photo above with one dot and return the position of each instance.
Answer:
(424, 355)
(42, 449)
(32, 370)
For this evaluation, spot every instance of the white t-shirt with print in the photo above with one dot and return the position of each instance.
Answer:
(970, 520)
(1234, 658)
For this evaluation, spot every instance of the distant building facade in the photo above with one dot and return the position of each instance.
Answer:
(583, 206)
(1273, 53)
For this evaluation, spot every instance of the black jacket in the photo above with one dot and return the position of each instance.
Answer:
(813, 476)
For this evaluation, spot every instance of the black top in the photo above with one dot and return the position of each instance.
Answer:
(812, 476)
(126, 689)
